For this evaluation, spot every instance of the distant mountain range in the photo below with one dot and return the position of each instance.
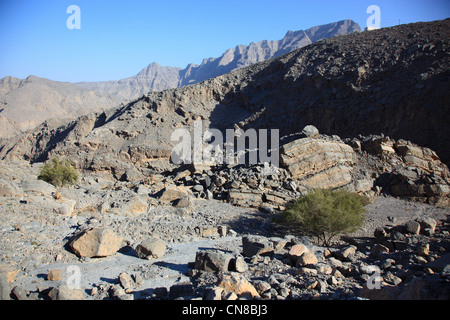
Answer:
(157, 78)
(26, 103)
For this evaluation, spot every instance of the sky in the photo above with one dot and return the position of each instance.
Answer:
(118, 38)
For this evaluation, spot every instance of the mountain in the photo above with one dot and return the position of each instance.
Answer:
(393, 81)
(26, 103)
(157, 78)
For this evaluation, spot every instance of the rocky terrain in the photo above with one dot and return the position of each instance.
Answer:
(128, 241)
(350, 113)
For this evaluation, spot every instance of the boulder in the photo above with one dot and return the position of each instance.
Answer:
(297, 251)
(306, 259)
(64, 293)
(318, 163)
(173, 192)
(182, 289)
(151, 248)
(237, 283)
(412, 227)
(212, 260)
(37, 187)
(96, 242)
(253, 245)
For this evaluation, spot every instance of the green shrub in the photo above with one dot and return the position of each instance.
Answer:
(326, 213)
(58, 173)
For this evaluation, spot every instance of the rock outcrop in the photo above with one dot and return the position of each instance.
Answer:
(318, 163)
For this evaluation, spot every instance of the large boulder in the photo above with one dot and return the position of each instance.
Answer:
(212, 260)
(318, 163)
(96, 242)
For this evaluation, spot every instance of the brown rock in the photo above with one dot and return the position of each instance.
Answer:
(296, 251)
(306, 259)
(96, 242)
(54, 275)
(238, 284)
(152, 248)
(318, 163)
(173, 192)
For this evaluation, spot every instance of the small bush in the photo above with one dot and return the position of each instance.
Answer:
(59, 173)
(326, 213)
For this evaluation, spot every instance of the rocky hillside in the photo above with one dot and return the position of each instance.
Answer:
(26, 103)
(156, 78)
(385, 81)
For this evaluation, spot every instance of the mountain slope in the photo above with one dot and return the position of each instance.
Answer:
(26, 103)
(393, 81)
(157, 78)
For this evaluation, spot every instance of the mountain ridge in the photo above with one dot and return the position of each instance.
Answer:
(156, 77)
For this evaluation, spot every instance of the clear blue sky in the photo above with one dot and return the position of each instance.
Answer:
(120, 37)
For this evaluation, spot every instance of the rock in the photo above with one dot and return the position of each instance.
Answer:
(310, 132)
(317, 163)
(249, 198)
(19, 293)
(213, 293)
(296, 251)
(240, 265)
(253, 245)
(126, 282)
(378, 249)
(54, 275)
(182, 289)
(96, 242)
(151, 248)
(135, 206)
(427, 223)
(183, 202)
(307, 271)
(380, 234)
(423, 250)
(67, 208)
(261, 286)
(412, 227)
(212, 260)
(346, 253)
(9, 271)
(207, 231)
(237, 283)
(64, 293)
(173, 192)
(306, 259)
(37, 187)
